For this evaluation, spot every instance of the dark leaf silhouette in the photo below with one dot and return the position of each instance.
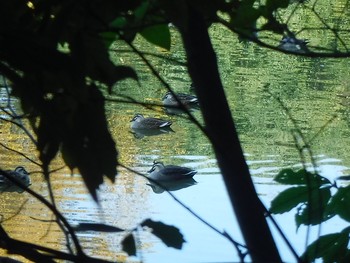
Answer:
(97, 227)
(289, 199)
(170, 235)
(340, 202)
(88, 144)
(314, 210)
(128, 245)
(158, 35)
(331, 248)
(300, 177)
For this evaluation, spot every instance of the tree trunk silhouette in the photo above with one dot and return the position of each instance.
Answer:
(203, 68)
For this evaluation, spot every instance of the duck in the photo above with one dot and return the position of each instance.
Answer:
(167, 173)
(187, 100)
(291, 43)
(20, 174)
(139, 122)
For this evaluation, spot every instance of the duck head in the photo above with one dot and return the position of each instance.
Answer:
(156, 166)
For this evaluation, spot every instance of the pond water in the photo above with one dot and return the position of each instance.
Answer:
(309, 88)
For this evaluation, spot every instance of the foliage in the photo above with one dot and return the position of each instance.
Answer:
(316, 203)
(170, 235)
(56, 55)
(57, 86)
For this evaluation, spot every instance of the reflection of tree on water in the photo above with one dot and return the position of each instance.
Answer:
(58, 88)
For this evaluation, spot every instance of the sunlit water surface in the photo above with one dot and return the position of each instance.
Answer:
(309, 88)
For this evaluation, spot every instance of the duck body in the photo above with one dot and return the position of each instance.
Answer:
(169, 100)
(172, 185)
(142, 123)
(167, 173)
(294, 44)
(20, 174)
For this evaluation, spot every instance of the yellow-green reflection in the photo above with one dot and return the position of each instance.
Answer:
(308, 87)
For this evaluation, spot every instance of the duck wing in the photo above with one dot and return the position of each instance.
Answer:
(156, 123)
(173, 172)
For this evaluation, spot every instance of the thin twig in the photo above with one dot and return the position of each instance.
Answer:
(50, 206)
(237, 245)
(301, 146)
(20, 153)
(157, 75)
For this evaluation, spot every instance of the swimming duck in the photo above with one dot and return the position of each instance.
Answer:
(140, 122)
(187, 100)
(166, 173)
(20, 174)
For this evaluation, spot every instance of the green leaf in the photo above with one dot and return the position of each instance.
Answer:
(300, 177)
(141, 10)
(118, 23)
(313, 211)
(289, 199)
(128, 245)
(340, 203)
(108, 38)
(170, 235)
(158, 35)
(331, 248)
(288, 176)
(245, 18)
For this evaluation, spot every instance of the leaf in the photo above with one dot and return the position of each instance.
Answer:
(87, 143)
(128, 245)
(141, 10)
(170, 235)
(344, 177)
(314, 210)
(91, 51)
(118, 23)
(340, 203)
(331, 248)
(300, 177)
(273, 5)
(289, 199)
(288, 176)
(97, 227)
(245, 18)
(123, 72)
(108, 38)
(48, 137)
(158, 35)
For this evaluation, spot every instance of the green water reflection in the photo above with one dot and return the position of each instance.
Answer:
(309, 88)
